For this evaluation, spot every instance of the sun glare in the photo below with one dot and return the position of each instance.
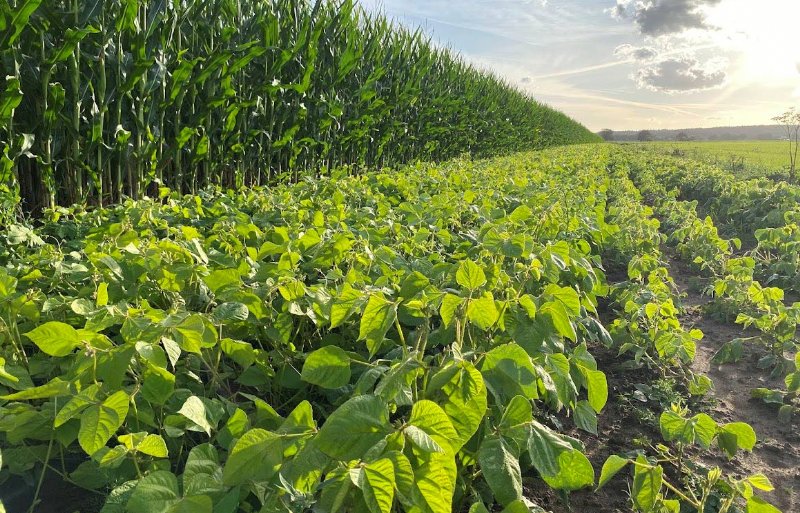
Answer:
(765, 35)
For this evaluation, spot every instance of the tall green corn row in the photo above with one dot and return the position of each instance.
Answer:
(102, 99)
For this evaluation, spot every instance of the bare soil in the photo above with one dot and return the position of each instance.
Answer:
(776, 455)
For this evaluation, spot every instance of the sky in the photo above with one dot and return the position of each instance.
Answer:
(628, 64)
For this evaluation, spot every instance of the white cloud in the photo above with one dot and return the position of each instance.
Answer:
(661, 17)
(639, 53)
(681, 75)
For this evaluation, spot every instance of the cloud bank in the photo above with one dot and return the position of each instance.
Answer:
(680, 75)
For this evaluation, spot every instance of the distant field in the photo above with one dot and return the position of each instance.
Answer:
(745, 158)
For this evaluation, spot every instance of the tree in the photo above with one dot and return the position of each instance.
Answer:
(790, 121)
(644, 136)
(683, 136)
(607, 134)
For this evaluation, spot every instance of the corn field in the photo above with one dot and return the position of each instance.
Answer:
(105, 99)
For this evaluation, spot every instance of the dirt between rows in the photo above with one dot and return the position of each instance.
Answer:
(776, 455)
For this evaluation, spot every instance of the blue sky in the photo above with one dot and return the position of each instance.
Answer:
(628, 64)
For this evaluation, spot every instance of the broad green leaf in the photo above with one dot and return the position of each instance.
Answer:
(544, 448)
(508, 371)
(328, 367)
(99, 422)
(598, 389)
(756, 504)
(56, 387)
(482, 312)
(228, 312)
(501, 470)
(77, 404)
(202, 473)
(354, 427)
(470, 275)
(646, 484)
(567, 296)
(155, 493)
(518, 413)
(611, 467)
(413, 284)
(421, 439)
(379, 314)
(255, 458)
(574, 472)
(557, 313)
(432, 419)
(149, 444)
(447, 311)
(585, 417)
(195, 410)
(745, 435)
(464, 399)
(55, 338)
(761, 482)
(379, 485)
(343, 305)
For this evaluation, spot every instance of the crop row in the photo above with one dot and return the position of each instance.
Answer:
(101, 100)
(734, 284)
(396, 340)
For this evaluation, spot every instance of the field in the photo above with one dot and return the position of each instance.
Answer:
(747, 159)
(467, 335)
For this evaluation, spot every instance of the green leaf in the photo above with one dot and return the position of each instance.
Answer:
(567, 296)
(447, 311)
(482, 312)
(158, 385)
(149, 444)
(585, 417)
(354, 427)
(195, 410)
(379, 314)
(328, 367)
(705, 429)
(202, 472)
(464, 401)
(611, 467)
(508, 371)
(756, 504)
(574, 472)
(19, 17)
(254, 458)
(413, 284)
(77, 404)
(421, 439)
(433, 420)
(544, 448)
(227, 312)
(556, 312)
(99, 422)
(518, 413)
(646, 484)
(55, 338)
(501, 470)
(745, 435)
(761, 482)
(56, 387)
(470, 275)
(379, 485)
(155, 493)
(598, 389)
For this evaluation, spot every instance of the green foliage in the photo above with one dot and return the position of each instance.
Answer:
(122, 98)
(389, 341)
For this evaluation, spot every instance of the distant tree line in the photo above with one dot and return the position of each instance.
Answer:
(744, 133)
